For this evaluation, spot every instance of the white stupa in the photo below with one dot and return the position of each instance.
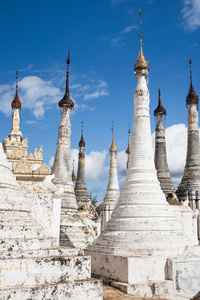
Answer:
(145, 232)
(106, 208)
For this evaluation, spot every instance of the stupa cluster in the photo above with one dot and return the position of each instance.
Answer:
(144, 240)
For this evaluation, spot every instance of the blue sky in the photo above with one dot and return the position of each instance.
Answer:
(104, 46)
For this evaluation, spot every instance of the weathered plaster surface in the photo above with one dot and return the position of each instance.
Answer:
(144, 230)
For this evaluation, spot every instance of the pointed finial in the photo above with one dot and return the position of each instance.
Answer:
(66, 101)
(190, 63)
(113, 147)
(140, 35)
(141, 63)
(192, 96)
(68, 58)
(82, 142)
(160, 109)
(16, 103)
(82, 127)
(17, 80)
(128, 150)
(112, 129)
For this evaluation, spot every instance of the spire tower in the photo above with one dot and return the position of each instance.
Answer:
(160, 157)
(106, 208)
(144, 230)
(190, 181)
(62, 162)
(81, 192)
(16, 105)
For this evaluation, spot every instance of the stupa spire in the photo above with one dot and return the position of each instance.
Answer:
(141, 62)
(143, 230)
(160, 156)
(16, 103)
(81, 191)
(113, 147)
(62, 162)
(15, 134)
(106, 208)
(190, 181)
(66, 100)
(142, 218)
(192, 96)
(73, 173)
(160, 109)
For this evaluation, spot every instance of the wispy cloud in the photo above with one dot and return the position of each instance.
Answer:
(37, 93)
(95, 168)
(115, 42)
(118, 2)
(31, 122)
(119, 39)
(129, 28)
(191, 14)
(95, 95)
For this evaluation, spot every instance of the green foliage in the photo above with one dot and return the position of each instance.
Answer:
(93, 199)
(80, 207)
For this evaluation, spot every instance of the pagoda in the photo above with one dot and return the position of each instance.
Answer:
(139, 248)
(190, 182)
(106, 208)
(25, 167)
(160, 157)
(75, 231)
(81, 191)
(62, 162)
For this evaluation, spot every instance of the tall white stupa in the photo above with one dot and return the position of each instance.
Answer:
(145, 234)
(106, 208)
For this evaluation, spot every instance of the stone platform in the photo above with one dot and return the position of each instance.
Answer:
(110, 293)
(175, 278)
(54, 273)
(77, 230)
(32, 265)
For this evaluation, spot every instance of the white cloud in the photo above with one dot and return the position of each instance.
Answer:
(191, 14)
(95, 168)
(176, 145)
(31, 122)
(129, 28)
(50, 164)
(95, 94)
(38, 93)
(35, 94)
(121, 163)
(28, 68)
(82, 107)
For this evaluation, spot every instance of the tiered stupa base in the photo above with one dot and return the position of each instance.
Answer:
(77, 230)
(190, 181)
(143, 248)
(166, 185)
(32, 266)
(82, 197)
